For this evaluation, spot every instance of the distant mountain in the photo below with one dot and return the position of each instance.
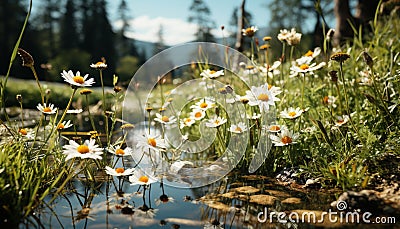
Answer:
(145, 46)
(148, 47)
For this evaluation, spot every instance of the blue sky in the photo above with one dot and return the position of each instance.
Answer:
(172, 14)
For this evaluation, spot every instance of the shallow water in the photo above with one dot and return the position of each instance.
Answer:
(136, 207)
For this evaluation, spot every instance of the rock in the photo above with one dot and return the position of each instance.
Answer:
(363, 201)
(292, 175)
(263, 199)
(291, 200)
(247, 190)
(277, 193)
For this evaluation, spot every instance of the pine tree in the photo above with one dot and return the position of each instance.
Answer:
(69, 36)
(201, 16)
(159, 45)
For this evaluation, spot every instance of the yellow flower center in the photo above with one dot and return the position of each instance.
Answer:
(309, 53)
(47, 109)
(188, 120)
(119, 152)
(325, 100)
(286, 140)
(143, 179)
(340, 121)
(249, 32)
(269, 86)
(216, 122)
(23, 132)
(292, 114)
(212, 71)
(263, 97)
(198, 114)
(152, 142)
(120, 170)
(78, 79)
(165, 119)
(238, 129)
(203, 105)
(99, 63)
(304, 66)
(83, 149)
(274, 128)
(60, 126)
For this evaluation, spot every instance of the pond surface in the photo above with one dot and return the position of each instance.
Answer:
(228, 203)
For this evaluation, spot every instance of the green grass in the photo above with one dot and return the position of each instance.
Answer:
(59, 93)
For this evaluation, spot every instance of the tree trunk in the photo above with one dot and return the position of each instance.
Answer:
(239, 34)
(366, 10)
(343, 16)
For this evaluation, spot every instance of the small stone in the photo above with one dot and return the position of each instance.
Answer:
(263, 199)
(291, 200)
(247, 190)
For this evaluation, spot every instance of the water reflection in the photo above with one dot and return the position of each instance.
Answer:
(233, 202)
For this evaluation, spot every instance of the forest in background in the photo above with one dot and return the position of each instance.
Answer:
(68, 34)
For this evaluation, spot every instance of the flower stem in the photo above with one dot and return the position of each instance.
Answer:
(38, 83)
(104, 105)
(68, 105)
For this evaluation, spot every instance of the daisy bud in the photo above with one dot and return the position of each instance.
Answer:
(333, 75)
(368, 59)
(27, 59)
(340, 57)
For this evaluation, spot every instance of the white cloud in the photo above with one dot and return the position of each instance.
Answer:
(175, 31)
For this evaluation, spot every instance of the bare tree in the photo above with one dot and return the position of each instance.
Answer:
(365, 11)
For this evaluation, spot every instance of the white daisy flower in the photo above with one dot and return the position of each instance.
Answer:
(47, 109)
(145, 212)
(274, 128)
(285, 137)
(77, 79)
(64, 125)
(329, 100)
(119, 171)
(187, 122)
(305, 68)
(271, 70)
(203, 104)
(291, 113)
(293, 38)
(75, 111)
(216, 121)
(117, 151)
(150, 142)
(88, 150)
(99, 65)
(163, 199)
(211, 74)
(26, 133)
(283, 35)
(341, 120)
(165, 119)
(254, 116)
(249, 32)
(262, 97)
(139, 177)
(197, 114)
(239, 128)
